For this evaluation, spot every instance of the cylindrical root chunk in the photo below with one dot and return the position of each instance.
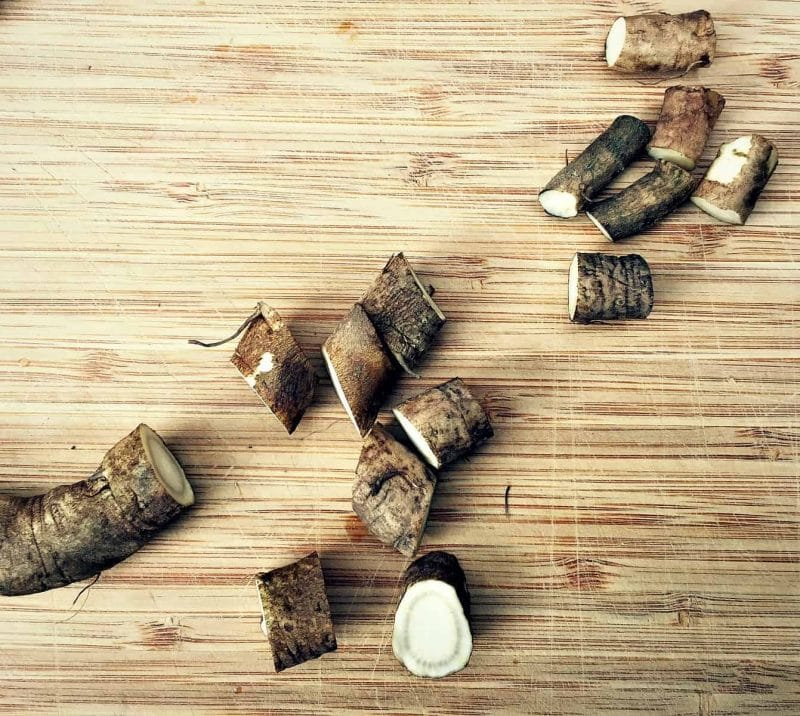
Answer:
(432, 635)
(606, 157)
(660, 42)
(444, 422)
(688, 115)
(361, 370)
(403, 312)
(644, 202)
(276, 367)
(603, 287)
(735, 179)
(76, 531)
(392, 491)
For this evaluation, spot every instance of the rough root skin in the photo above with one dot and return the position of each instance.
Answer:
(392, 491)
(688, 115)
(296, 614)
(734, 200)
(663, 43)
(604, 287)
(276, 367)
(605, 158)
(76, 531)
(644, 202)
(403, 312)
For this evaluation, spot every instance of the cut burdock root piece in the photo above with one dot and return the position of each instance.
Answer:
(392, 492)
(660, 42)
(735, 179)
(76, 531)
(644, 202)
(688, 115)
(276, 367)
(296, 616)
(444, 422)
(403, 312)
(603, 287)
(606, 157)
(361, 370)
(432, 635)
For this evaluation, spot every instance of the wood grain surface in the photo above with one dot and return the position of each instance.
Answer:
(165, 165)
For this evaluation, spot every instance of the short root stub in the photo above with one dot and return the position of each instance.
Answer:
(444, 422)
(737, 176)
(392, 491)
(432, 636)
(604, 287)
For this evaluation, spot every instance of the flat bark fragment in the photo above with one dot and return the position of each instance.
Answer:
(403, 312)
(392, 491)
(688, 114)
(296, 615)
(275, 366)
(644, 202)
(737, 176)
(595, 167)
(604, 287)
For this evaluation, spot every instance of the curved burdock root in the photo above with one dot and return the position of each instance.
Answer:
(76, 531)
(444, 422)
(606, 157)
(432, 635)
(734, 181)
(361, 370)
(403, 312)
(275, 366)
(392, 491)
(660, 42)
(688, 114)
(644, 202)
(603, 287)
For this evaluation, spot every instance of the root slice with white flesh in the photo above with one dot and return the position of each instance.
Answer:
(76, 531)
(392, 491)
(603, 287)
(403, 312)
(660, 42)
(275, 366)
(643, 203)
(688, 114)
(734, 181)
(606, 157)
(432, 635)
(296, 617)
(361, 370)
(444, 422)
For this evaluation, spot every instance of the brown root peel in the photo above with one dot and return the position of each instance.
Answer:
(76, 531)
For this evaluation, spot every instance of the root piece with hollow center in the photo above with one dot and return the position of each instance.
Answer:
(734, 181)
(643, 203)
(432, 635)
(444, 422)
(603, 287)
(76, 531)
(606, 157)
(688, 115)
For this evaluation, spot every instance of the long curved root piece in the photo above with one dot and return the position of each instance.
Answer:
(76, 531)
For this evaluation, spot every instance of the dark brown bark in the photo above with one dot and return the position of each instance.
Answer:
(441, 566)
(297, 617)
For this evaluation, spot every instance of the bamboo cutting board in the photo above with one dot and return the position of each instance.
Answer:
(167, 164)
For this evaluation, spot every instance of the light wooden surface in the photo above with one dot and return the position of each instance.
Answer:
(165, 165)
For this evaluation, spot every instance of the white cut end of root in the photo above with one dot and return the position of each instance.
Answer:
(250, 380)
(670, 155)
(338, 387)
(573, 287)
(427, 296)
(264, 627)
(599, 226)
(559, 203)
(732, 158)
(167, 468)
(266, 364)
(772, 162)
(415, 437)
(729, 216)
(431, 635)
(615, 41)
